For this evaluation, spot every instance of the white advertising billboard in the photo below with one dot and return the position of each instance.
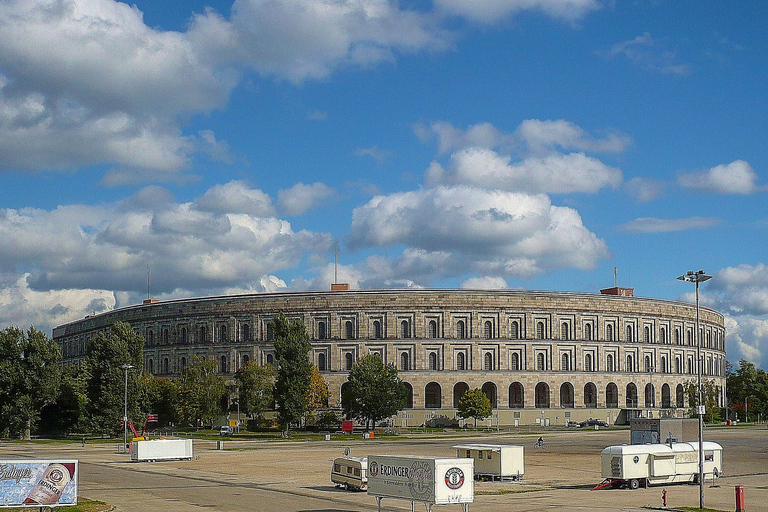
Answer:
(435, 480)
(38, 483)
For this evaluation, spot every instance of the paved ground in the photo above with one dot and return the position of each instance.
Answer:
(294, 476)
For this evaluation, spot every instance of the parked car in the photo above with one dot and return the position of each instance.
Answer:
(592, 422)
(226, 430)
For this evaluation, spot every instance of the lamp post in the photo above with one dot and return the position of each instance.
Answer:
(126, 367)
(698, 277)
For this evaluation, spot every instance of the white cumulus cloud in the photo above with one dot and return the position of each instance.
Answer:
(737, 177)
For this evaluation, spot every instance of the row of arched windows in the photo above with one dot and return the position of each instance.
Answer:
(433, 396)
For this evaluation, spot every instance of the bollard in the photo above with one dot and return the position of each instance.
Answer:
(664, 497)
(740, 499)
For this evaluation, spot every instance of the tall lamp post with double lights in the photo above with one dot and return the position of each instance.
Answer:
(697, 277)
(126, 367)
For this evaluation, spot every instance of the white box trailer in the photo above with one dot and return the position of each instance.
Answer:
(350, 473)
(428, 480)
(495, 461)
(161, 449)
(656, 464)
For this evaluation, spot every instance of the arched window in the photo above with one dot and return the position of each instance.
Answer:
(405, 362)
(666, 396)
(183, 364)
(650, 395)
(646, 334)
(223, 334)
(540, 330)
(488, 361)
(432, 396)
(432, 329)
(514, 330)
(629, 334)
(541, 363)
(489, 390)
(488, 329)
(590, 395)
(630, 363)
(246, 332)
(588, 332)
(405, 329)
(321, 361)
(377, 330)
(459, 389)
(588, 366)
(664, 366)
(609, 363)
(566, 395)
(184, 335)
(647, 363)
(516, 396)
(150, 338)
(166, 337)
(433, 361)
(678, 338)
(514, 362)
(203, 334)
(612, 396)
(270, 359)
(565, 331)
(677, 365)
(689, 336)
(663, 335)
(321, 332)
(632, 395)
(270, 332)
(460, 362)
(151, 366)
(223, 364)
(408, 395)
(541, 395)
(348, 331)
(166, 366)
(565, 362)
(680, 396)
(244, 361)
(461, 330)
(348, 361)
(609, 332)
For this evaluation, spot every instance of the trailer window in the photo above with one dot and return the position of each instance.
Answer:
(349, 470)
(357, 472)
(469, 454)
(710, 456)
(489, 455)
(337, 468)
(479, 454)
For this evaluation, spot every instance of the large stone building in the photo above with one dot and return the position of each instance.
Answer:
(541, 357)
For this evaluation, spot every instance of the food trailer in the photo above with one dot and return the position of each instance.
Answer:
(656, 464)
(161, 449)
(350, 473)
(427, 480)
(494, 461)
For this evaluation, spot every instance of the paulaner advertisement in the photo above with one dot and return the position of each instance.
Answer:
(38, 483)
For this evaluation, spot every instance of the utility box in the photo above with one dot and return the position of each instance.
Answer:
(161, 449)
(428, 480)
(494, 461)
(660, 430)
(655, 464)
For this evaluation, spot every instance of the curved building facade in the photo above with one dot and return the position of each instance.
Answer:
(541, 357)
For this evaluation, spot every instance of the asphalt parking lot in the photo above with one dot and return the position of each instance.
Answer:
(293, 476)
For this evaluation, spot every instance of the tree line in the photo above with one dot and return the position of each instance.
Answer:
(39, 397)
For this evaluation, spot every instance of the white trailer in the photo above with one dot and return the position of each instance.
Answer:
(494, 461)
(655, 464)
(350, 473)
(161, 449)
(428, 480)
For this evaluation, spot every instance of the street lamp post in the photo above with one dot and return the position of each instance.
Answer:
(698, 277)
(126, 367)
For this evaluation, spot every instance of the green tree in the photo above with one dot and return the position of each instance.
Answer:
(255, 384)
(29, 378)
(161, 397)
(294, 370)
(68, 412)
(748, 386)
(108, 352)
(373, 391)
(474, 404)
(710, 393)
(201, 390)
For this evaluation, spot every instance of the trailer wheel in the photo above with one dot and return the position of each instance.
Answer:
(634, 484)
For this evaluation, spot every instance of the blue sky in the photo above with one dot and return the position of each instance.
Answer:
(500, 144)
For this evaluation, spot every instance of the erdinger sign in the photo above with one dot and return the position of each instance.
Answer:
(429, 480)
(38, 483)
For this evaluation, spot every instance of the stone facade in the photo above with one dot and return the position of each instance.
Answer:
(540, 356)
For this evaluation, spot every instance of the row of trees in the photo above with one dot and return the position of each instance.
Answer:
(37, 396)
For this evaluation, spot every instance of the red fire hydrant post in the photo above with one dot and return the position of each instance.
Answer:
(740, 499)
(664, 497)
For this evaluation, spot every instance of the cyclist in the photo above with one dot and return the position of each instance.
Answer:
(540, 441)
